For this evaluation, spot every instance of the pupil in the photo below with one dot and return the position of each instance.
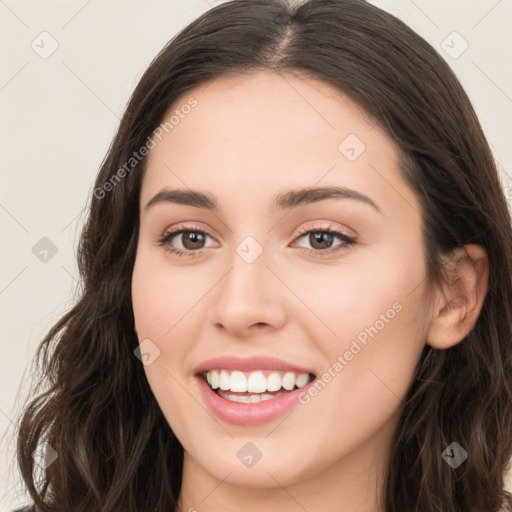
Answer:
(320, 237)
(193, 239)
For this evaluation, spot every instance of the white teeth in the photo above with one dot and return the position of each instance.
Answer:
(255, 382)
(214, 377)
(245, 399)
(224, 380)
(274, 382)
(237, 398)
(289, 381)
(238, 382)
(302, 380)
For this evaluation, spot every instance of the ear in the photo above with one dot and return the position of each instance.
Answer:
(456, 316)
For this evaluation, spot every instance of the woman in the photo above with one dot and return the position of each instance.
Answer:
(297, 275)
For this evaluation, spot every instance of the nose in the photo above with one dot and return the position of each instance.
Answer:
(249, 299)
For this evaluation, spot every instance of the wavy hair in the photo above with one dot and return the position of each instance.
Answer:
(92, 403)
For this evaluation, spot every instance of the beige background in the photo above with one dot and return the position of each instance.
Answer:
(59, 113)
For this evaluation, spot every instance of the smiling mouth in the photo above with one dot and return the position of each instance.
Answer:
(255, 386)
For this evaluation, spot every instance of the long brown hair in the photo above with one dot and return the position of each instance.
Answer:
(94, 406)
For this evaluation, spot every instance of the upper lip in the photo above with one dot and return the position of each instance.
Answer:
(247, 364)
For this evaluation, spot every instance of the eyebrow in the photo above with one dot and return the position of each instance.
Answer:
(283, 201)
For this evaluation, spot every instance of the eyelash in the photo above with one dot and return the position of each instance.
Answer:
(348, 241)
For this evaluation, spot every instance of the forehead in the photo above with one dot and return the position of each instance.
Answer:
(256, 135)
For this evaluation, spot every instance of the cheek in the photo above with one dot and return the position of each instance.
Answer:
(365, 290)
(158, 307)
(377, 322)
(369, 368)
(166, 305)
(161, 295)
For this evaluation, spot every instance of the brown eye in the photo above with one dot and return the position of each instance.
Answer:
(322, 241)
(191, 244)
(192, 240)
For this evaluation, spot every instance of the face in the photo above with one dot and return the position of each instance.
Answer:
(314, 300)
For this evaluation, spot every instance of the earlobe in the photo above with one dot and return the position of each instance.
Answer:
(455, 315)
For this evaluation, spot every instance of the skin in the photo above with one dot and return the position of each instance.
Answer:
(249, 139)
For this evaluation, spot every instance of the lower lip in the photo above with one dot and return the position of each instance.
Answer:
(256, 413)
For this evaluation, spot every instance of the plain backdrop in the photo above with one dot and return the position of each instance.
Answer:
(67, 71)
